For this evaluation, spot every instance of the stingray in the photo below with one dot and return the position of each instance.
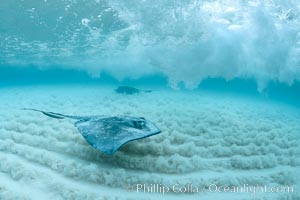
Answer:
(129, 90)
(108, 133)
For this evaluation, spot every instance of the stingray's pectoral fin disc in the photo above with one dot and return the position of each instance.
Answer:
(108, 134)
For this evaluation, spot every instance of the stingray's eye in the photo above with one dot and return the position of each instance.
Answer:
(139, 124)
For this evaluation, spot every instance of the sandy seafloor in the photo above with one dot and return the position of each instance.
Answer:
(206, 138)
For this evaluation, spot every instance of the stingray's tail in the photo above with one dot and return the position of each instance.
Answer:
(54, 115)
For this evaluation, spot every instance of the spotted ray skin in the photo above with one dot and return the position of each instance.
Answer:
(108, 133)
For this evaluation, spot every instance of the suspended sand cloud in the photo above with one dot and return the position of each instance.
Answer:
(185, 41)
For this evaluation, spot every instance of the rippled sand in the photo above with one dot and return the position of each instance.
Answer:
(206, 138)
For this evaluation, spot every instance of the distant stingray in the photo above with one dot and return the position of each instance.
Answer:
(109, 133)
(129, 90)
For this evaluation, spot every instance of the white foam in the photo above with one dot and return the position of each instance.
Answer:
(186, 41)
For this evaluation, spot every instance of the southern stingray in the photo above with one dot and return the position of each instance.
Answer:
(129, 90)
(109, 133)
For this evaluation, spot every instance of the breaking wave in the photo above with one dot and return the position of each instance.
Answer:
(186, 41)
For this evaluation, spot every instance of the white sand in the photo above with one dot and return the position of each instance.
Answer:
(206, 138)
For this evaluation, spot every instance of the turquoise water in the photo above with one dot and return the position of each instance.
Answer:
(225, 81)
(186, 42)
(275, 91)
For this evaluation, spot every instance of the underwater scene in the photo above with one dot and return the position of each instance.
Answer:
(149, 99)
